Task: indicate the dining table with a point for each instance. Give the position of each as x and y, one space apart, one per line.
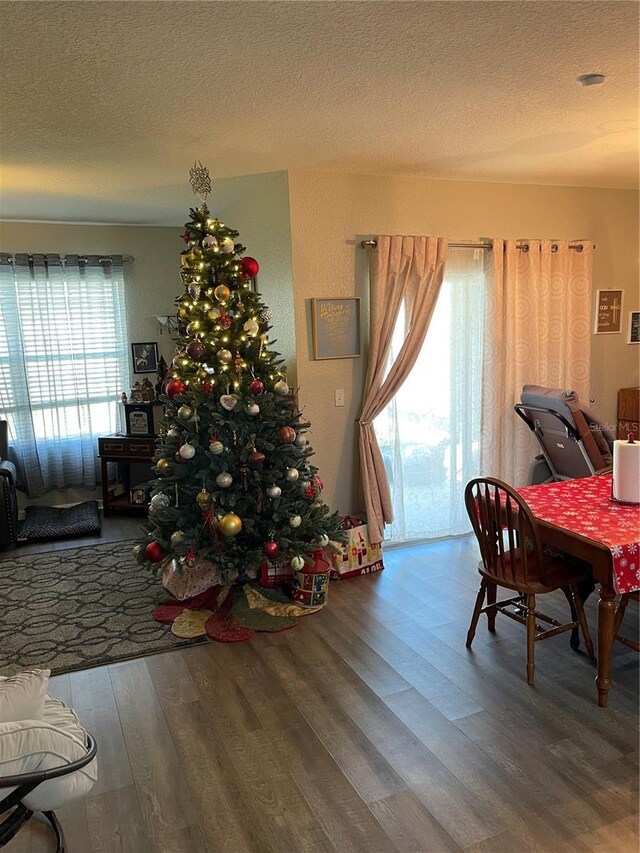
581 518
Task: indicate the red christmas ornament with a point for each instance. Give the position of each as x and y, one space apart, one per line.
249 267
154 553
287 434
196 350
270 549
314 488
255 459
206 387
225 321
175 386
256 387
186 236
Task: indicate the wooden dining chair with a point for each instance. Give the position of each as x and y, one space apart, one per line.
620 611
512 557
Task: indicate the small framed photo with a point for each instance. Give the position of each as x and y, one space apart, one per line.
145 357
634 328
336 328
608 312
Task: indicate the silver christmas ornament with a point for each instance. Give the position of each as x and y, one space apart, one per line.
209 243
300 440
323 540
177 539
297 562
274 491
295 521
224 480
251 327
159 501
173 432
194 291
226 245
252 409
292 474
185 413
281 388
187 451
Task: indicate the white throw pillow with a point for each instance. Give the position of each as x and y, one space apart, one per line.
22 696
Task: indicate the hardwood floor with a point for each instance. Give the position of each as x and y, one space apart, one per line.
369 727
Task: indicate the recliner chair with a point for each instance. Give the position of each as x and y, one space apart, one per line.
574 441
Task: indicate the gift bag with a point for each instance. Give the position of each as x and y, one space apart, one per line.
357 555
186 581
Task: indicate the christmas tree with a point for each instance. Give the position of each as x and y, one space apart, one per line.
234 482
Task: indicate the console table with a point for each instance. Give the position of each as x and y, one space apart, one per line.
124 450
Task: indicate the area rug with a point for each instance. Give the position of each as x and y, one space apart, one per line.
78 608
44 523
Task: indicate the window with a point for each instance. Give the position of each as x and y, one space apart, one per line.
63 363
429 433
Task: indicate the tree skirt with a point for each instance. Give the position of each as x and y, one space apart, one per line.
77 608
43 523
231 614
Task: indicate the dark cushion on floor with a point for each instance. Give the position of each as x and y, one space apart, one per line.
49 522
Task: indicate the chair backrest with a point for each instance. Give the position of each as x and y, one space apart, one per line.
574 441
506 531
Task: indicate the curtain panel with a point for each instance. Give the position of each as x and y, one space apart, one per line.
63 362
537 331
405 270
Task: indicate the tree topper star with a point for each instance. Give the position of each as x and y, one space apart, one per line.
200 180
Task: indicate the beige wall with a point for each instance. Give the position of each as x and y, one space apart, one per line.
331 213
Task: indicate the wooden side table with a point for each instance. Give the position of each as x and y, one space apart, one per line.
125 450
629 412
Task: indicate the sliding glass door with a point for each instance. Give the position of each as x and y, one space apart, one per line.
429 433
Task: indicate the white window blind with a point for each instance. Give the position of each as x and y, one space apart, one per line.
63 363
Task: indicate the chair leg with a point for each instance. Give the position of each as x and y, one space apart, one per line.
531 636
574 641
491 599
582 619
476 612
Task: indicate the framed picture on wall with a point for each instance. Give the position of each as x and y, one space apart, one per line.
145 357
633 336
336 327
608 312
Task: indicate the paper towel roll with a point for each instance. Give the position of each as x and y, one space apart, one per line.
626 471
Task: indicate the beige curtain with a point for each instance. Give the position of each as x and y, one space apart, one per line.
409 270
537 331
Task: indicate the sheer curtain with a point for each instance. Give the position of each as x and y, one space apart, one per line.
429 433
63 362
538 332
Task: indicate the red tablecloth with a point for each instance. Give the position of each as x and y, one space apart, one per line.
585 507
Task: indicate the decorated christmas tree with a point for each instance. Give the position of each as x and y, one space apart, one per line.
234 485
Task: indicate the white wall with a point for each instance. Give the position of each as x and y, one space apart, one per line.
331 212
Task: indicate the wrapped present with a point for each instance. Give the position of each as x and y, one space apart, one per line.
276 572
355 556
186 581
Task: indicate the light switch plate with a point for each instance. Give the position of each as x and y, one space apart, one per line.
338 397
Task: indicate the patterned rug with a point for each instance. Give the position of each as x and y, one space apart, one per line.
74 609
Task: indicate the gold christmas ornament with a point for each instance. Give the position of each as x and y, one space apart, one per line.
185 413
281 388
222 293
181 360
224 356
204 499
193 327
230 524
162 464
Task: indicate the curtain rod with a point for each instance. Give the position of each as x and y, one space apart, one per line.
126 259
488 247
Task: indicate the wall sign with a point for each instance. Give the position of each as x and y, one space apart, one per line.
336 327
145 357
608 312
634 328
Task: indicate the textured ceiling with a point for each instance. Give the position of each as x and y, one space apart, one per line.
105 105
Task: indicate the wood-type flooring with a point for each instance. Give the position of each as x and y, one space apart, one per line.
368 728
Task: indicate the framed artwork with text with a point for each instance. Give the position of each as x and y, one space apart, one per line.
336 327
608 312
